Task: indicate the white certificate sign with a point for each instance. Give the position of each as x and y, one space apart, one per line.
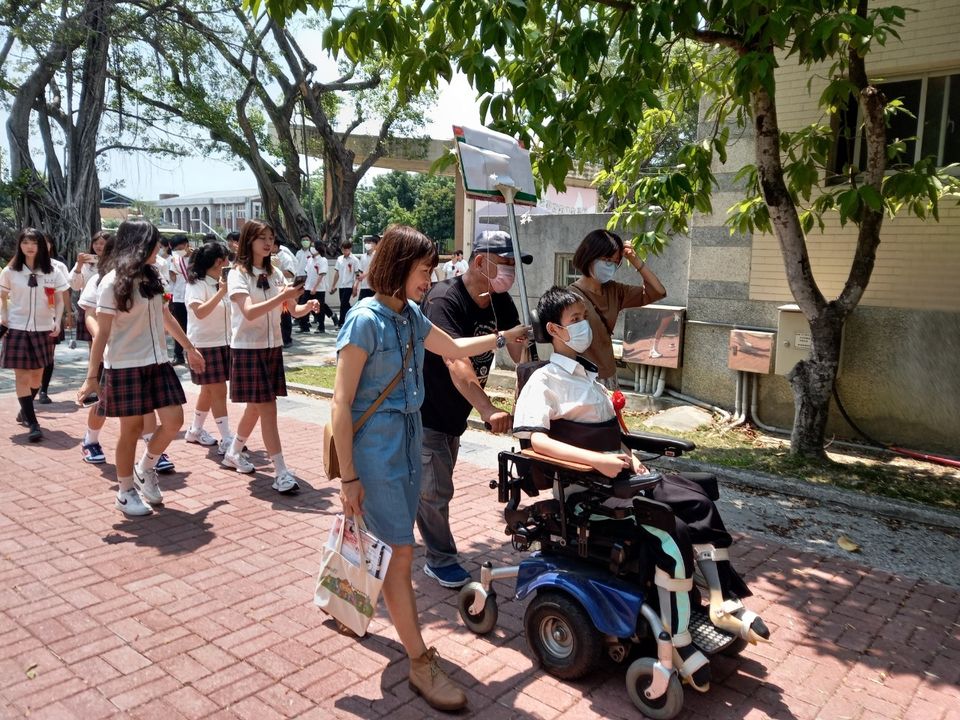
489 158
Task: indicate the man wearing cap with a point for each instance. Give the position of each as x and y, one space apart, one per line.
475 303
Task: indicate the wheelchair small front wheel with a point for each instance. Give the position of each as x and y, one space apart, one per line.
561 635
639 677
487 619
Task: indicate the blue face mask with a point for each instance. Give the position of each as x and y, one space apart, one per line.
603 271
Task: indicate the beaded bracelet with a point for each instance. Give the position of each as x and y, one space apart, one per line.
347 482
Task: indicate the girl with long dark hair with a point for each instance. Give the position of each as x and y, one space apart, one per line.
67 321
258 293
138 378
208 327
85 268
31 307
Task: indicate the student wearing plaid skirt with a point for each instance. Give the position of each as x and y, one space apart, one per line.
138 378
258 293
208 327
66 322
31 307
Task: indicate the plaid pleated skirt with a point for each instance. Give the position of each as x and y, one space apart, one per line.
83 335
217 366
140 390
26 350
256 376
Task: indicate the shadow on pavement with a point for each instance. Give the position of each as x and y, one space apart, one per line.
168 530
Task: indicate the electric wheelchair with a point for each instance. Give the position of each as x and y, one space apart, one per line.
592 574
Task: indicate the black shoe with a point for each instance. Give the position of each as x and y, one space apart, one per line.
43 398
336 320
20 417
179 361
35 434
320 331
303 330
288 343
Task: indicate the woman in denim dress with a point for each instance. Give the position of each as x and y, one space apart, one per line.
381 465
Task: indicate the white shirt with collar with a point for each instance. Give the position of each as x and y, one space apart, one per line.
137 338
29 308
88 297
316 272
179 263
264 331
347 267
365 261
215 329
285 260
560 390
162 265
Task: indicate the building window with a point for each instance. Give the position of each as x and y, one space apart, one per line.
564 272
930 127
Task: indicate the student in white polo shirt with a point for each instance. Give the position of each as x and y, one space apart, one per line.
257 292
31 309
133 321
209 328
345 277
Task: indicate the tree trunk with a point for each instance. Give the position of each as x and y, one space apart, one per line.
339 209
812 383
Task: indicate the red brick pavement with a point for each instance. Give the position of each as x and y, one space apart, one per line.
203 610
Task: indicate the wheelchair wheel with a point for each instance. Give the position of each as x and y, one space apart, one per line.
639 676
561 635
487 619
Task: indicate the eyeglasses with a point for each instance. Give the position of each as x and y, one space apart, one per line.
32 281
263 282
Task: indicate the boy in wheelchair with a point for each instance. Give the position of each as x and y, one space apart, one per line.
567 415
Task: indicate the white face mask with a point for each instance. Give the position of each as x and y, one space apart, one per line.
603 271
504 278
580 336
368 247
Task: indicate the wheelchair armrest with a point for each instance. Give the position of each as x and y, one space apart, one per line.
628 487
657 444
576 467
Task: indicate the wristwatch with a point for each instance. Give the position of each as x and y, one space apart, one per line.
501 340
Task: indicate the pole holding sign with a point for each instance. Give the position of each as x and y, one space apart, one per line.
496 167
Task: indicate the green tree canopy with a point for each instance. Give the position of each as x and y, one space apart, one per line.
424 201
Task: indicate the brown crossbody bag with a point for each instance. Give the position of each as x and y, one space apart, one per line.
331 464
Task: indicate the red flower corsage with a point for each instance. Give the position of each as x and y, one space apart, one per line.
167 297
51 296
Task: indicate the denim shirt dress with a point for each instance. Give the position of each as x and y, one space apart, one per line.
386 450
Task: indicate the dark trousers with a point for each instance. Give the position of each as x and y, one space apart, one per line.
325 311
345 294
286 328
693 509
179 311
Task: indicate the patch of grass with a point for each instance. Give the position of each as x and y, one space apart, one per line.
503 403
318 375
875 473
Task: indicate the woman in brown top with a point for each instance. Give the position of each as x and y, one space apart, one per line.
597 259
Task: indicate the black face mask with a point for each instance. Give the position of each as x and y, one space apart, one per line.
263 282
32 280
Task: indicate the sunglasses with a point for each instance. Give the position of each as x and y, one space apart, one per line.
32 281
263 282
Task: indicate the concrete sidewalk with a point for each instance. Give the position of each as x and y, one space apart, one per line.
204 610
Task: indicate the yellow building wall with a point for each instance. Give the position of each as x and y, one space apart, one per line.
918 263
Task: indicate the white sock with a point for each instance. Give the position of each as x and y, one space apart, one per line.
236 447
148 461
223 425
198 418
91 436
121 481
278 463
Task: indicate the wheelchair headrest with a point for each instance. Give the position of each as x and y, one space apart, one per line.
540 334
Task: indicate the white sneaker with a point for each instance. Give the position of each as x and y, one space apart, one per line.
286 482
200 437
129 503
146 482
224 445
238 463
655 354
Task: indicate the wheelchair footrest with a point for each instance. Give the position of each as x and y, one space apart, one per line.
707 636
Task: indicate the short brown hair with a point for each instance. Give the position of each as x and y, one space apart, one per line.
597 244
400 249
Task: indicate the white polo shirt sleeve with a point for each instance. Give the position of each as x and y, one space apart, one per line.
88 297
536 406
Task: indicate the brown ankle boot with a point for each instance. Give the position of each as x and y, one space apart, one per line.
428 679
